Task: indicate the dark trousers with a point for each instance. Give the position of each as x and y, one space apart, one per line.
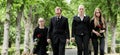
40 50
82 42
90 46
58 48
96 44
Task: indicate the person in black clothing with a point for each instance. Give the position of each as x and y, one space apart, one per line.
81 31
58 32
40 38
98 29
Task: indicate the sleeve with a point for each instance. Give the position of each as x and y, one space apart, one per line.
73 28
50 29
89 24
92 24
46 32
34 35
67 29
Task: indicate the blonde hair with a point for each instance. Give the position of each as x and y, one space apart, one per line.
80 7
96 20
41 19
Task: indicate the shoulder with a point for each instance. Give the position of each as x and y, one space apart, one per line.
88 17
36 28
92 21
46 28
65 18
75 17
53 17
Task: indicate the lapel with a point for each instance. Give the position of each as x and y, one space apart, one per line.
79 19
84 18
58 22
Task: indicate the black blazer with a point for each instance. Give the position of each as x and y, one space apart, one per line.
81 27
59 28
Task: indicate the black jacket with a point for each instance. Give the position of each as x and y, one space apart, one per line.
81 27
97 28
59 28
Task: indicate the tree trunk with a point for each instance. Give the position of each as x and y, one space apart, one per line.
113 46
6 29
31 39
27 31
113 27
31 32
26 37
18 28
33 25
113 21
106 38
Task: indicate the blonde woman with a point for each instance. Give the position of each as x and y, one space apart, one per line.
40 38
81 31
98 29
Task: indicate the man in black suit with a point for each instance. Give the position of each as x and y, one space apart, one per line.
81 31
58 32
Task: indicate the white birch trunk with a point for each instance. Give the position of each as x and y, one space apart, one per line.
18 32
27 32
113 46
106 38
6 29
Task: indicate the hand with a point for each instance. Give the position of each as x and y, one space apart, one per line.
48 40
35 43
67 41
98 34
73 39
102 31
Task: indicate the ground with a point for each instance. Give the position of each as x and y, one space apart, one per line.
74 52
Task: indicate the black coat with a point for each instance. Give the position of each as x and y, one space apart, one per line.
59 29
81 27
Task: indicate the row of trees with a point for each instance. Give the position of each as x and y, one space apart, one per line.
20 18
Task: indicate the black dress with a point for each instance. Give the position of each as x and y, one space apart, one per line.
40 36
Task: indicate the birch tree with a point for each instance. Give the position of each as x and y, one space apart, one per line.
6 29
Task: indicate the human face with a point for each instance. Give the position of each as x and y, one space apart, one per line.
41 22
57 11
81 10
97 13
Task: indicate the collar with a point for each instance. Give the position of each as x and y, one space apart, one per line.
59 16
79 15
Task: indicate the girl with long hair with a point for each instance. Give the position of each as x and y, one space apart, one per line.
98 30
